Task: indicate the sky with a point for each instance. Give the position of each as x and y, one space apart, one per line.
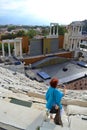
42 12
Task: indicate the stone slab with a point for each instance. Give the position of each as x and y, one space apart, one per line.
52 126
78 102
61 128
49 125
43 128
19 117
77 123
73 110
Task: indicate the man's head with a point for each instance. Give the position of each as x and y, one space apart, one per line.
54 82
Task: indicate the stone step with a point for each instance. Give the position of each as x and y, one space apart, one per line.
17 117
77 123
52 126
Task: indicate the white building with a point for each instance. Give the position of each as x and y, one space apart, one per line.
74 37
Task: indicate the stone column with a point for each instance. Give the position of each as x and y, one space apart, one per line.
73 30
75 44
3 51
53 30
57 31
15 48
81 29
9 49
71 45
50 29
78 29
20 48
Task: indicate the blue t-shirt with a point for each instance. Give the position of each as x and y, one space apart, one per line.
53 97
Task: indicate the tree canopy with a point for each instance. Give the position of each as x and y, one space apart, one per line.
21 33
31 33
10 28
61 30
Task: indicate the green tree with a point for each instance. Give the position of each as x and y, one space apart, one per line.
6 47
10 28
8 36
20 33
61 30
31 33
45 32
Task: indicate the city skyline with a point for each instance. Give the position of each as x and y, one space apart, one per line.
41 12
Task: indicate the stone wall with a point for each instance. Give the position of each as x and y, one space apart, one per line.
80 84
30 60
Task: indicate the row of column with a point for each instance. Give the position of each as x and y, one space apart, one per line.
54 26
77 29
9 49
74 44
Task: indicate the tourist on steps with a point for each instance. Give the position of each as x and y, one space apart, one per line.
54 96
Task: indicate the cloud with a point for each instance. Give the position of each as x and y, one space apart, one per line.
63 11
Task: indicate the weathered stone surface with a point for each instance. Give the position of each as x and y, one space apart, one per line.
19 117
64 119
61 128
73 110
52 126
75 97
74 102
77 123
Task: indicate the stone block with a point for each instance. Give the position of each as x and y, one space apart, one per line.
64 119
73 109
77 123
17 117
52 126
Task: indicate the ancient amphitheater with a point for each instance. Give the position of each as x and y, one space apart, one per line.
22 104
